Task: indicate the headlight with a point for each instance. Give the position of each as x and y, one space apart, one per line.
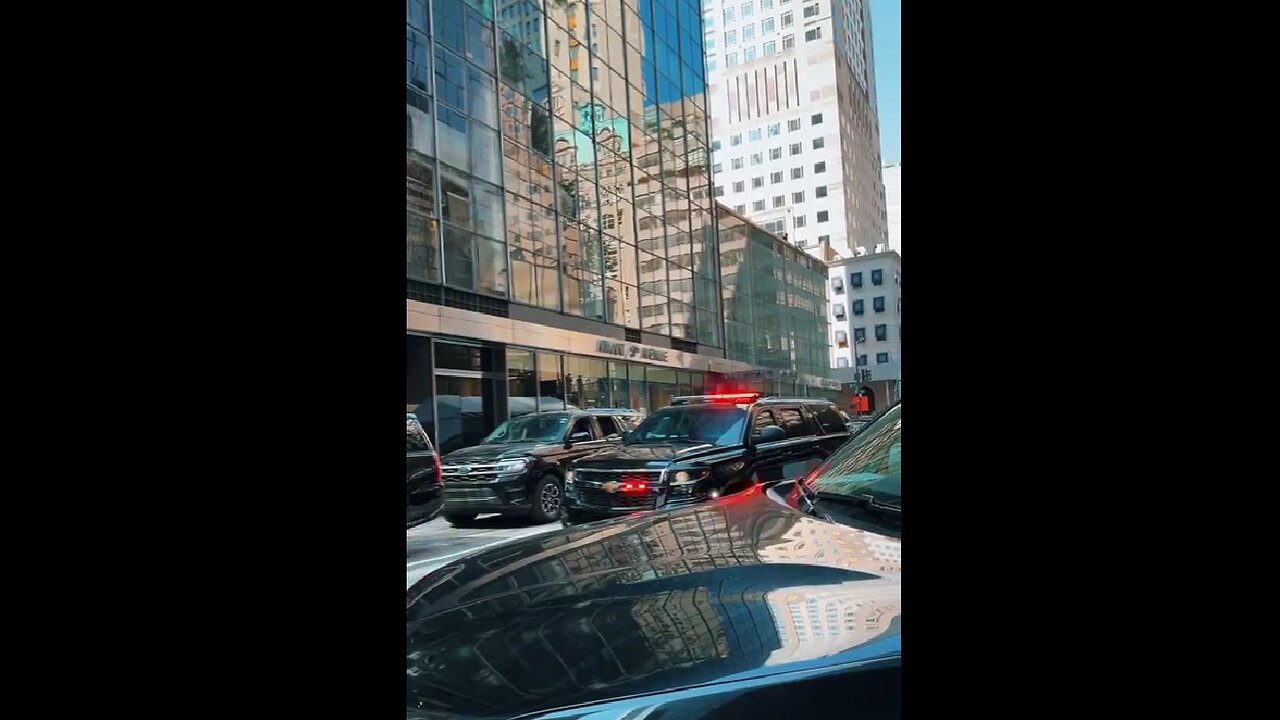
688 476
507 466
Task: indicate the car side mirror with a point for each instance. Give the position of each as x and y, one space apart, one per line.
770 434
577 437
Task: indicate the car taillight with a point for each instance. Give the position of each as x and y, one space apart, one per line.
439 474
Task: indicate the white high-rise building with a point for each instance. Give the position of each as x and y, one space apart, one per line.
893 204
794 127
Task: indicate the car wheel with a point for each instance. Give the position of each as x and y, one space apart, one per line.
548 499
460 520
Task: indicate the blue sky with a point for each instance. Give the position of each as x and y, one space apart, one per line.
886 37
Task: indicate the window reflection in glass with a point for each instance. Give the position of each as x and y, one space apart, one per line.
550 382
522 388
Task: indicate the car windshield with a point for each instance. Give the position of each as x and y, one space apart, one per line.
529 428
713 424
862 481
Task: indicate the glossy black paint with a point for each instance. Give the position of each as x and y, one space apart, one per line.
728 468
741 607
424 491
512 494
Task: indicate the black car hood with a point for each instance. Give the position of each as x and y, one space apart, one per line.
655 455
497 451
734 589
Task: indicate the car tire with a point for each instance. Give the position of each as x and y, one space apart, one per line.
547 499
460 520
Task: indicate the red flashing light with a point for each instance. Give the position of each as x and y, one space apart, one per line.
633 487
746 397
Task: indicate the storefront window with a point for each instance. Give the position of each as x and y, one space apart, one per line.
419 400
465 407
522 385
550 382
662 386
587 383
621 394
639 395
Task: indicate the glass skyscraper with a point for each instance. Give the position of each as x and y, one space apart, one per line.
558 209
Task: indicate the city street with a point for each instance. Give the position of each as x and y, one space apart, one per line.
435 543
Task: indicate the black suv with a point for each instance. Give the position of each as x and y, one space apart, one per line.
518 469
423 490
702 447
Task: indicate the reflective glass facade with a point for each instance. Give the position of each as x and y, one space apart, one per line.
556 156
775 297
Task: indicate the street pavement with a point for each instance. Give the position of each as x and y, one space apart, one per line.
435 543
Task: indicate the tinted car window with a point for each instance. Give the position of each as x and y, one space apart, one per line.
764 418
790 419
415 441
581 425
607 425
829 418
529 428
715 424
869 465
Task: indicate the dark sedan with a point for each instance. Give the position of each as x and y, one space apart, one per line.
782 600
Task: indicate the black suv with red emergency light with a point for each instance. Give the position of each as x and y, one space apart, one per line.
701 447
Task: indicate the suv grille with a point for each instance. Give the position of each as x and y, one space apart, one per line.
587 484
480 472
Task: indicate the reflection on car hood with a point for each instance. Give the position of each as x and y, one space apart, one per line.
659 454
728 590
496 451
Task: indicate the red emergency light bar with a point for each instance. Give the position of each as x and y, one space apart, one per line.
633 487
743 398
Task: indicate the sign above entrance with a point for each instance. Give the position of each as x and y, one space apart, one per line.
628 350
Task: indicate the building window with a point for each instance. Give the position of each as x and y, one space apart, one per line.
882 358
860 334
842 362
775 177
736 163
715 145
740 209
820 191
747 10
766 4
819 167
788 42
862 360
775 129
837 285
775 153
767 26
822 216
754 136
729 15
793 125
719 191
838 310
711 67
855 279
796 148
877 304
779 200
757 206
816 119
857 306
797 173
757 183
717 168
770 48
757 159
787 19
735 139
797 197
811 10
877 277
842 339
731 59
819 143
814 34
708 42
749 54
739 186
824 238
731 38
749 33
882 332
800 221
